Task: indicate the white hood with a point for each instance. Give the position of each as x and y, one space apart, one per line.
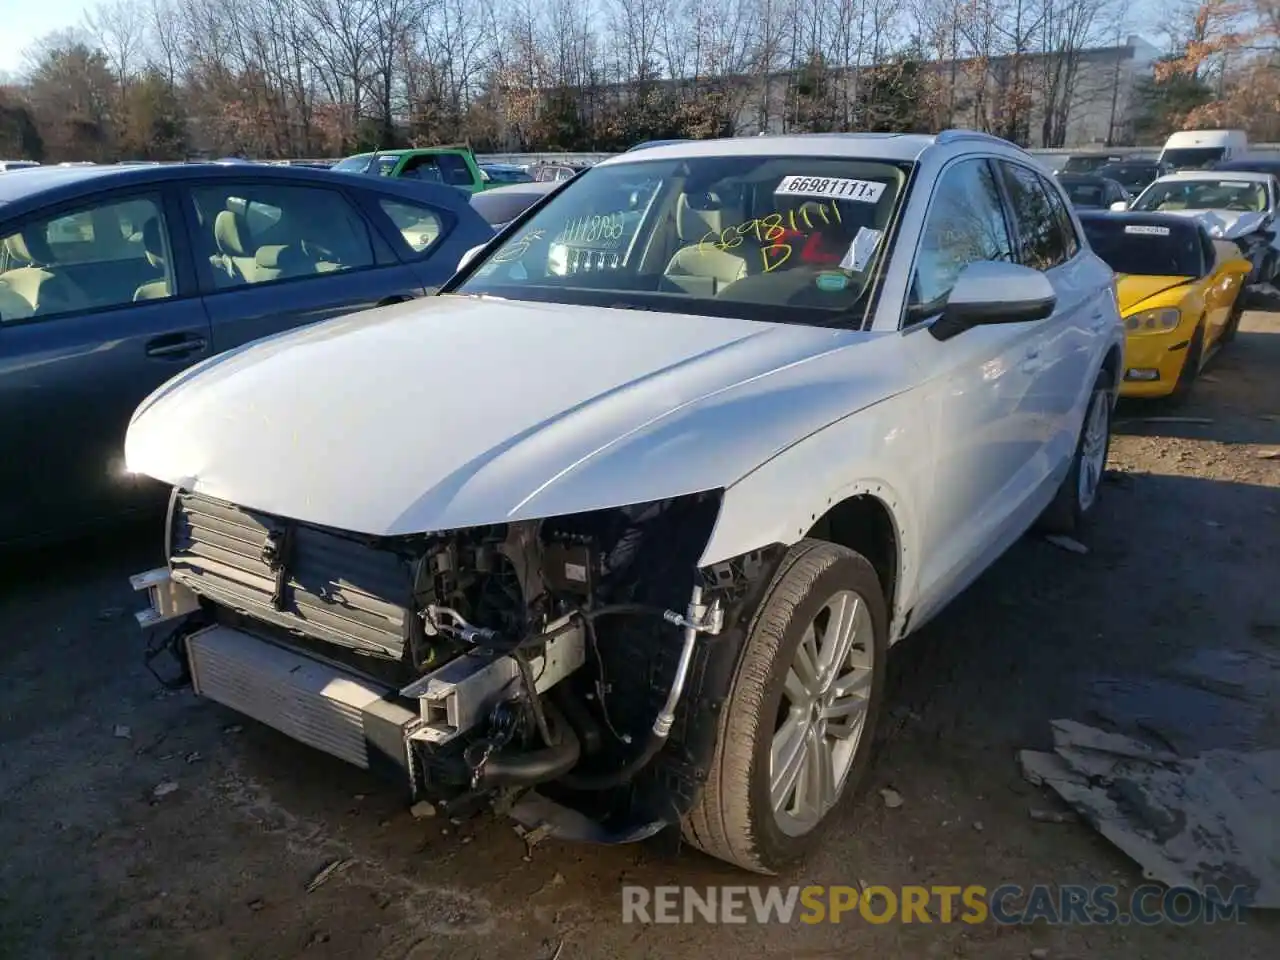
453 412
1224 224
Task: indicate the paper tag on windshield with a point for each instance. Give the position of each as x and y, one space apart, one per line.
861 250
1146 229
832 188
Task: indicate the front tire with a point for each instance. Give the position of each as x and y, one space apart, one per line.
796 730
1233 321
1190 367
1074 503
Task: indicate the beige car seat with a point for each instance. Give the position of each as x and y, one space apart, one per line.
153 247
234 262
699 268
37 281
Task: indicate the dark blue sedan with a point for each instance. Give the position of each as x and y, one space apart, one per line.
113 279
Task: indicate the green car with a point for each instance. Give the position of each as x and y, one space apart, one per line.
454 165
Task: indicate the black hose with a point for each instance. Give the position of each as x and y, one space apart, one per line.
529 767
613 778
620 609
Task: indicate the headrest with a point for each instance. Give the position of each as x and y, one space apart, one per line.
152 242
231 234
698 214
29 247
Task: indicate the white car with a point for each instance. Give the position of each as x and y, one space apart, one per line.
619 529
1234 205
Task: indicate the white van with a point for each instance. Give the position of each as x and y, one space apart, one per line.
1201 149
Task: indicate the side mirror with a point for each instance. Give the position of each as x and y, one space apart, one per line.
993 291
1120 206
470 255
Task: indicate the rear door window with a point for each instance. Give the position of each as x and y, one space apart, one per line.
1042 242
265 233
454 170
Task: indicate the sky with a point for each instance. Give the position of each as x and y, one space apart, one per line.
25 21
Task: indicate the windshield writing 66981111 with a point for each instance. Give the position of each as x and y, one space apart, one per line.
775 231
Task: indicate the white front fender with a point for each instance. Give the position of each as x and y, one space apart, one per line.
881 451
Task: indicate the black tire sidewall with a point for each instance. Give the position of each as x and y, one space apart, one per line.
1190 365
850 571
1064 514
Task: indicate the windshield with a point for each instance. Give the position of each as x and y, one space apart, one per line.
1203 195
1083 164
1193 158
1132 176
498 207
1085 193
725 236
506 175
353 164
1143 248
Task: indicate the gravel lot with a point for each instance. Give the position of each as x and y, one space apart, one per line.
1173 615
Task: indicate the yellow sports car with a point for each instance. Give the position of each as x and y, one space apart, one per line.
1179 292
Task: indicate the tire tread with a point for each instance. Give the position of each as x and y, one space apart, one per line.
720 824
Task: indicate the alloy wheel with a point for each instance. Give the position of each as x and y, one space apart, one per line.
822 713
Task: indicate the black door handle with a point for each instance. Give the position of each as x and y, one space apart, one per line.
175 345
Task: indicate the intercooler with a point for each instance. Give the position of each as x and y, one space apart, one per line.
309 700
306 579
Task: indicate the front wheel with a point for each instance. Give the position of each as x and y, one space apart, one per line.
795 732
1078 495
1233 320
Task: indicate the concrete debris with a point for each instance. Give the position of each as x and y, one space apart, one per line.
1067 543
1052 816
535 836
422 810
1200 821
122 732
892 798
977 825
164 788
328 873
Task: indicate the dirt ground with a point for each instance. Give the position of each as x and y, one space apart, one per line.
1170 623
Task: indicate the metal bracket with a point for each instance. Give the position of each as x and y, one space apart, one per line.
459 695
168 599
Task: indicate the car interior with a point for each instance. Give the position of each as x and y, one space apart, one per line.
278 234
104 256
772 231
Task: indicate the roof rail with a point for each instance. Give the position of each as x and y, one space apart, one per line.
951 136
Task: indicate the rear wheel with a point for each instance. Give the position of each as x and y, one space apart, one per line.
1082 486
796 731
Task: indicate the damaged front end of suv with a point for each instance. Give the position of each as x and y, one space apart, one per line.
567 671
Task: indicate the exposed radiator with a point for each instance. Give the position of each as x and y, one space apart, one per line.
310 701
334 588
